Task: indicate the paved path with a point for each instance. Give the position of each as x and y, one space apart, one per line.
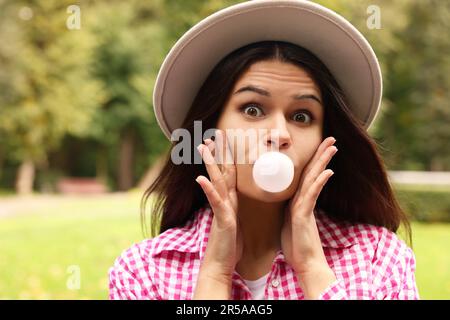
421 177
15 205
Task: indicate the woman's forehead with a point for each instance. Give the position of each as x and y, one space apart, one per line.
277 76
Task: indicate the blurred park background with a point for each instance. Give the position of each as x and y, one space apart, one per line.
79 141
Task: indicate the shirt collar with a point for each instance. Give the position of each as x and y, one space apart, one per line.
193 236
190 238
334 234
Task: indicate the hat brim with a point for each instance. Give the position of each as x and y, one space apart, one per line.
334 40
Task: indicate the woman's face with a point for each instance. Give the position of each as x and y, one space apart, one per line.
262 102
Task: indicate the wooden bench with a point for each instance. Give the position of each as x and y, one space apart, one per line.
81 185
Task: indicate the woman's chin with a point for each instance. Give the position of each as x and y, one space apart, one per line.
259 194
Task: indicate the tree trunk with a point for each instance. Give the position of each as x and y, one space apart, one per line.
436 164
101 167
152 173
25 177
1 163
126 160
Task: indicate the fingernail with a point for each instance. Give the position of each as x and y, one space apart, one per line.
199 148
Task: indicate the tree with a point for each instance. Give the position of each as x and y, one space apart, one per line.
51 94
126 60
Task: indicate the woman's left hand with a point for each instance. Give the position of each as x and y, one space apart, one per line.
300 238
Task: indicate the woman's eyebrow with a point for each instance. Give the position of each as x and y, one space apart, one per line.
267 93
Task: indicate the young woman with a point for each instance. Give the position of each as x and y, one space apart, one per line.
217 235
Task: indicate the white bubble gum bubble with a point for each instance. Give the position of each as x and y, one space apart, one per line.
273 171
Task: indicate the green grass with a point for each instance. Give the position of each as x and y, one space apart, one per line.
38 249
430 244
38 246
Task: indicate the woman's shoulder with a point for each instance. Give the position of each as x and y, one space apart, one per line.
378 239
392 262
386 248
134 259
381 256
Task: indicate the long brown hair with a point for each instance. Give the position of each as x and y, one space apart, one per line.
359 191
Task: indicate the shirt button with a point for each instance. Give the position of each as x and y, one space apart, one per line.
275 283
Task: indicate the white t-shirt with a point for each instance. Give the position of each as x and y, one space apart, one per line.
257 287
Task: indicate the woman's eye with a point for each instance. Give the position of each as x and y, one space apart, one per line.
304 117
253 110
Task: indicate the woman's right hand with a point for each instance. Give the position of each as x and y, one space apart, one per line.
225 246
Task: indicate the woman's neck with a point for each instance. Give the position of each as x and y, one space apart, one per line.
261 225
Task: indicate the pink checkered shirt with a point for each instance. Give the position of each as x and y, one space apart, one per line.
369 263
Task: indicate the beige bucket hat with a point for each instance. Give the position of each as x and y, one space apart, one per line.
334 40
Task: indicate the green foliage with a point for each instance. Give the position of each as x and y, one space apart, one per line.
51 93
425 203
126 60
412 127
95 84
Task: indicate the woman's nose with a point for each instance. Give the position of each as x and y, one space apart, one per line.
278 136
